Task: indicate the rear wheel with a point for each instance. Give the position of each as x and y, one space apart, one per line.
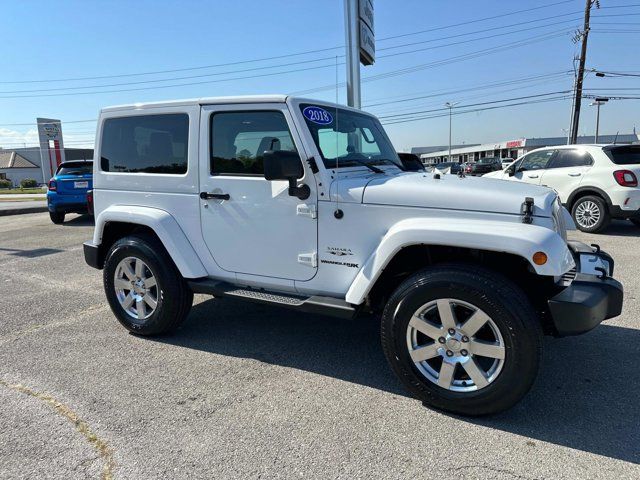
590 214
57 217
143 286
462 339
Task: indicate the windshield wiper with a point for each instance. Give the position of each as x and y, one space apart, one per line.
362 162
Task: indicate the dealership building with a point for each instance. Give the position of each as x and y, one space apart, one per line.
17 164
513 148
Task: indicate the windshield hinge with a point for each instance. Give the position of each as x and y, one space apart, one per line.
310 259
306 210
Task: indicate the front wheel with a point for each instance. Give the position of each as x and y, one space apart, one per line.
143 286
590 214
462 339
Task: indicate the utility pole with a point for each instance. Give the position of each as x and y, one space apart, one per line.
580 78
450 106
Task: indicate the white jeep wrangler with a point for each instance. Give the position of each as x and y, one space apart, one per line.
305 205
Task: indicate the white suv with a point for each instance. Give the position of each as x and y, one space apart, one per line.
305 205
595 182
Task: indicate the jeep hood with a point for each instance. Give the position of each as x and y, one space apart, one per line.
449 192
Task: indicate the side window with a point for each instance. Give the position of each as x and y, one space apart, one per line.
571 158
535 160
145 144
239 140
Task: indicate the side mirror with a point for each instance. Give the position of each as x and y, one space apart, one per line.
285 165
511 170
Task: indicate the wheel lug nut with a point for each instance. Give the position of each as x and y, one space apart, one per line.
465 339
441 340
452 331
449 353
464 353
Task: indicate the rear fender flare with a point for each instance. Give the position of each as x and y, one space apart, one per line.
165 227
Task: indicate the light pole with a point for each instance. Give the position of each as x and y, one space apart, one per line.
450 106
567 132
599 101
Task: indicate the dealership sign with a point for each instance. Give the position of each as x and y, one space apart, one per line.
366 32
51 145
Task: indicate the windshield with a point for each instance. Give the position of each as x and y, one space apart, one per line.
82 168
353 139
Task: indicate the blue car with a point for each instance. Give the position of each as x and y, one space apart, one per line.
68 189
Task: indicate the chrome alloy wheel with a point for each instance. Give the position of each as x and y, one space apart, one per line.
455 345
587 214
136 288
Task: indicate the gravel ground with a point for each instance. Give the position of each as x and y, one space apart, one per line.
249 391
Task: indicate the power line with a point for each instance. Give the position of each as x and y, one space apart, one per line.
544 100
475 21
447 61
277 57
526 97
144 82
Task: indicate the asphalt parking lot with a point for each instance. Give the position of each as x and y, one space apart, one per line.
249 391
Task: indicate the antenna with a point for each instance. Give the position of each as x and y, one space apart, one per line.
337 213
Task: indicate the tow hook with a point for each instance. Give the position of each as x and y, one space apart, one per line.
526 210
603 272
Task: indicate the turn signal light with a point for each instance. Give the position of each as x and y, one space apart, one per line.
52 185
539 258
626 178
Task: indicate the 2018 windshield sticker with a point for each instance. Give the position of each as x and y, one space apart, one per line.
317 115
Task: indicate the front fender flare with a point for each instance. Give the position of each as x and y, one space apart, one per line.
514 238
165 227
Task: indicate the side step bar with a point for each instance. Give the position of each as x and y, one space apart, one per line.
316 304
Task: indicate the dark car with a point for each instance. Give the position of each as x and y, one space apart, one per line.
484 165
68 189
411 162
449 167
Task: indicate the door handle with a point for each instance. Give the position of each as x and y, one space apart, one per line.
574 174
532 176
216 196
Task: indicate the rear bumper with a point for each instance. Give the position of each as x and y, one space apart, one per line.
592 296
92 255
617 212
61 203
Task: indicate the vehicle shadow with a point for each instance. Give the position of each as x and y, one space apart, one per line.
621 228
83 220
586 396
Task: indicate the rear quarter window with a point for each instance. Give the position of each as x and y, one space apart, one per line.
145 144
624 155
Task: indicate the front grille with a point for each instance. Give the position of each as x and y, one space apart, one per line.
567 277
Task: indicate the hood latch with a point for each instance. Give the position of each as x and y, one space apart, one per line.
526 210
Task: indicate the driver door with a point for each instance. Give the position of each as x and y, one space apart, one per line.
531 167
252 225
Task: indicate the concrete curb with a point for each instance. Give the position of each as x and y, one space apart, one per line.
21 211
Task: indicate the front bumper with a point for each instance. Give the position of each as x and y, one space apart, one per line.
592 296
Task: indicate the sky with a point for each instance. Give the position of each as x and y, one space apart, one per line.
428 53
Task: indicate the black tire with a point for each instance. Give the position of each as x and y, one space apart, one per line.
57 217
502 301
604 217
174 297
